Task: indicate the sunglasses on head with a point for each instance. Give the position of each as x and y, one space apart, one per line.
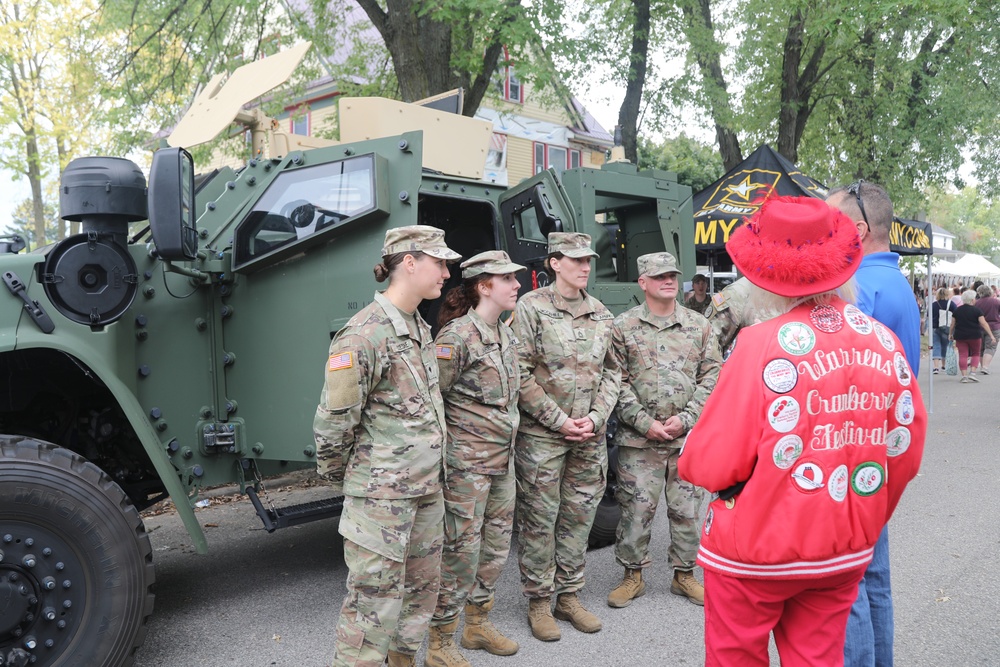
855 189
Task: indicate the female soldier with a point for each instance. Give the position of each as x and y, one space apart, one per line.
480 383
569 385
379 432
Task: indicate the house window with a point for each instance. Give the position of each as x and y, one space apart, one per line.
300 122
559 158
513 89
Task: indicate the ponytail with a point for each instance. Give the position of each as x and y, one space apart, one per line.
460 299
384 269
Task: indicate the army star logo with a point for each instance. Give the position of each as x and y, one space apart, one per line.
796 338
745 188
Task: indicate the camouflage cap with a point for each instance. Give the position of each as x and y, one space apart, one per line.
494 262
418 238
657 264
571 244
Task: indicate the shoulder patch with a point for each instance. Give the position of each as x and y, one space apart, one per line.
340 362
444 351
719 301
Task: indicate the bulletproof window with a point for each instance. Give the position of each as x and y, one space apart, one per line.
302 204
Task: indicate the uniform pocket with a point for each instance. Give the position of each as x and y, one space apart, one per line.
460 523
374 536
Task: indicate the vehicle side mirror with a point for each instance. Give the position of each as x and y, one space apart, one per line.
171 205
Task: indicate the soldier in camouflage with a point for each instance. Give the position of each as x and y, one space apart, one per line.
699 301
480 383
380 431
669 362
731 310
569 385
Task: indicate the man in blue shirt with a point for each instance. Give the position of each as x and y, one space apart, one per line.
883 293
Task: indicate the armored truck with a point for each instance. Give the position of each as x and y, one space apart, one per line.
141 365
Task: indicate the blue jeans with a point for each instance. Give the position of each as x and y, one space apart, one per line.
940 342
870 627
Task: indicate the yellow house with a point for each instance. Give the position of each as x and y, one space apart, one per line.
531 133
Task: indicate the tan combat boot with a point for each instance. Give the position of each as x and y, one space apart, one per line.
685 584
397 659
543 626
632 586
569 608
441 648
481 633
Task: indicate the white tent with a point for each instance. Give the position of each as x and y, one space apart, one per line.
974 265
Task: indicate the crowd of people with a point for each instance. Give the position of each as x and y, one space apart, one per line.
436 443
969 319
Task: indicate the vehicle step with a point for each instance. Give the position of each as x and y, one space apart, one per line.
293 515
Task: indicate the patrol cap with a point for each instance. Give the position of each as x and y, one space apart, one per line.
571 244
657 264
418 238
699 277
494 262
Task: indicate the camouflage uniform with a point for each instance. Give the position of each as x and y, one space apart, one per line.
480 384
691 303
731 310
669 367
567 371
380 429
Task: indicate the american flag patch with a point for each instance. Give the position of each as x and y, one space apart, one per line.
444 351
339 362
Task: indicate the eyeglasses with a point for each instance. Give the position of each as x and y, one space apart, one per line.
855 189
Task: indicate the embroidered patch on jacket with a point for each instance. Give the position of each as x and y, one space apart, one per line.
858 320
719 301
444 351
808 477
902 369
783 414
904 408
897 441
796 338
780 376
339 362
827 319
787 451
837 486
867 478
884 337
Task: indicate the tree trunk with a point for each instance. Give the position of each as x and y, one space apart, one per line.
35 181
628 115
701 37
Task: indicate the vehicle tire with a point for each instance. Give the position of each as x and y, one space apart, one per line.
602 533
77 566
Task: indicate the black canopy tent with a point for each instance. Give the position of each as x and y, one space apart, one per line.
729 202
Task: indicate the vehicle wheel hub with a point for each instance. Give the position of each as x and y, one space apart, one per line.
42 591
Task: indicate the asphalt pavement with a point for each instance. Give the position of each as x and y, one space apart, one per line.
260 599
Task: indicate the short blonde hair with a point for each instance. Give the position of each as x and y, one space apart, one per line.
763 300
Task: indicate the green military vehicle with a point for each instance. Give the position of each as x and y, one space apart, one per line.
190 354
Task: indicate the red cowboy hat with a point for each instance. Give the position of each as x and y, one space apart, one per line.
796 246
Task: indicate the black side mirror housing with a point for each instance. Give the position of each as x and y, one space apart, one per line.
171 205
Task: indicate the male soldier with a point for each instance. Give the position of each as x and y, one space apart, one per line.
669 361
884 294
698 301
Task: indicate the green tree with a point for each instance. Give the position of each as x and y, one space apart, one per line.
973 218
696 164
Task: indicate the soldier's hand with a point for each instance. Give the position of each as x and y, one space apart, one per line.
674 427
657 432
580 429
